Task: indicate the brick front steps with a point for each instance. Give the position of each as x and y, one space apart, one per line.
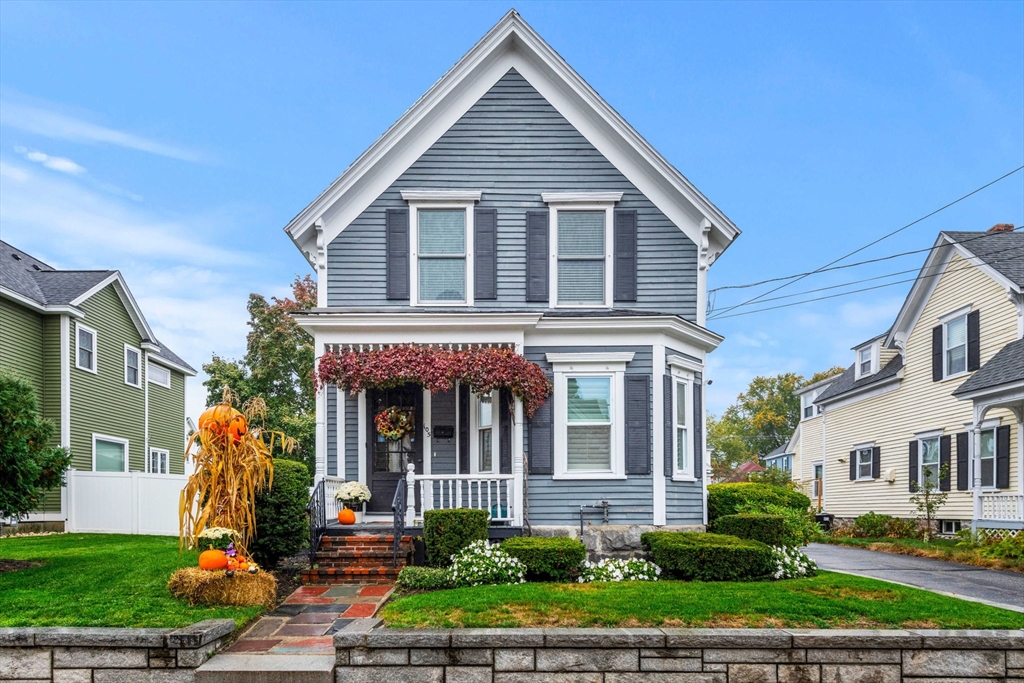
358 560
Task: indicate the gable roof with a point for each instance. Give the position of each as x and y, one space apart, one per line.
848 383
511 43
1002 251
1006 367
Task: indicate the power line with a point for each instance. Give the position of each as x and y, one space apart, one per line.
874 242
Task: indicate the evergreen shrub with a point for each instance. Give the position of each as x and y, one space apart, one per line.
727 499
548 559
282 525
708 557
769 529
446 532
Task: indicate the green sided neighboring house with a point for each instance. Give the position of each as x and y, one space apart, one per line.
115 394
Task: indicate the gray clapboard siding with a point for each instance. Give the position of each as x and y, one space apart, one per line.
352 437
442 412
513 145
332 431
684 502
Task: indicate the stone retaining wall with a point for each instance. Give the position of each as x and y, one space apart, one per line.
678 656
109 655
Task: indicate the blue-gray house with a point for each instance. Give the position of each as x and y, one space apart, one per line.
512 207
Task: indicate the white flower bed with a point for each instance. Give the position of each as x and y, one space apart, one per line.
633 569
790 563
481 563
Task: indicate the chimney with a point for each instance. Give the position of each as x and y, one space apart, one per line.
1001 227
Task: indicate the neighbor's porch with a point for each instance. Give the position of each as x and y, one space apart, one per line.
1002 509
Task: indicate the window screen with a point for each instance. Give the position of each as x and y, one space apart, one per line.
581 257
442 254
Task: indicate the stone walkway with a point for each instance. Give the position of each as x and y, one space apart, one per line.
306 622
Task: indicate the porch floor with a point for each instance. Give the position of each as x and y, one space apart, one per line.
384 529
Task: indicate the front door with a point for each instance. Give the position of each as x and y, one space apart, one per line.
388 455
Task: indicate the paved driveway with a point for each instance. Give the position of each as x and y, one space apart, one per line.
1005 589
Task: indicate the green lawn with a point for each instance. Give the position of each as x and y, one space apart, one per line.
99 580
826 601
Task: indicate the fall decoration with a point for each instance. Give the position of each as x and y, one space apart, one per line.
346 516
393 423
352 493
199 587
437 370
232 463
211 560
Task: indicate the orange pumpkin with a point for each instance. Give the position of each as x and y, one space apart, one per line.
212 560
223 419
346 516
237 427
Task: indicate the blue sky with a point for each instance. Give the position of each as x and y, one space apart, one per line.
174 141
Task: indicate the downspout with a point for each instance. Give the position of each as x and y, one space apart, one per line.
144 377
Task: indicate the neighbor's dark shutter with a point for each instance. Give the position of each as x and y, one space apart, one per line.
973 340
698 425
963 440
505 431
913 466
464 467
638 424
397 238
876 462
945 461
670 448
537 255
485 250
937 353
1003 457
625 256
540 458
853 465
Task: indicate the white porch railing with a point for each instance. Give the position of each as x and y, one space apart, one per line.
492 493
1001 507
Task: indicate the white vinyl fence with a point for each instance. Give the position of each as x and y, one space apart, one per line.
124 502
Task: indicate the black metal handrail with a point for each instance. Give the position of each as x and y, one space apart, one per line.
317 509
398 510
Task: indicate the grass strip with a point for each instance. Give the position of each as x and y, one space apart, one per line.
936 549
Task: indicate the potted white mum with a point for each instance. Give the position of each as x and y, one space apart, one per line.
352 495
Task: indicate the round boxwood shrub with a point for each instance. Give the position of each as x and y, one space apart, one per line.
548 559
708 557
727 499
770 529
446 532
282 526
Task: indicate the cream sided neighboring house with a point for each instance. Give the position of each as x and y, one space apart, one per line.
941 392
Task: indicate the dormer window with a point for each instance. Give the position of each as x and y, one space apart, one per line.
864 358
867 360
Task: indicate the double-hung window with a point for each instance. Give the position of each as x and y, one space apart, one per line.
928 470
589 423
109 454
581 258
683 461
865 360
441 254
987 458
132 366
158 461
158 375
864 462
954 351
807 404
485 424
85 352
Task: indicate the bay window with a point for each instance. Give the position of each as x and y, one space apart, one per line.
683 462
484 424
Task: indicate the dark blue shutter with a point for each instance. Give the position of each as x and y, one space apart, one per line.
1003 457
945 461
397 237
624 272
537 256
973 340
876 462
504 416
937 353
463 405
638 424
913 466
540 458
670 462
698 425
963 440
853 465
485 250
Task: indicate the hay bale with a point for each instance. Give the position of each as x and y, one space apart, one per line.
202 587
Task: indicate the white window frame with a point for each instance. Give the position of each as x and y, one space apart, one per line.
150 375
945 321
817 482
163 455
987 426
474 430
581 201
95 348
611 365
921 438
807 401
859 450
138 356
420 200
875 350
109 439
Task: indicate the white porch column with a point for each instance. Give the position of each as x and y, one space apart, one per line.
517 464
321 427
410 494
976 467
659 493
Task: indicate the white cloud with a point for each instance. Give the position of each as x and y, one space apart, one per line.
41 121
62 164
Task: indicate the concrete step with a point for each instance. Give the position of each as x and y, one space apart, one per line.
267 668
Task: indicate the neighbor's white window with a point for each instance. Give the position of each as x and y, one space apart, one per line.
866 360
987 458
581 257
684 464
955 345
85 352
864 463
485 423
158 461
442 255
817 482
807 404
109 454
928 469
132 366
158 375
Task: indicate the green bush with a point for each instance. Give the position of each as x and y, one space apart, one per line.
708 557
282 527
756 526
873 525
424 578
799 526
548 559
726 499
1009 548
446 532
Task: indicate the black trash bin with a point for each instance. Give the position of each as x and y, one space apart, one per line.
824 520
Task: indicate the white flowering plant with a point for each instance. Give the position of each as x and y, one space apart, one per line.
790 563
352 493
217 537
633 569
481 563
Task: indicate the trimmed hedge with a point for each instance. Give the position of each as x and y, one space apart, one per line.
446 532
726 499
769 529
282 526
708 557
548 559
424 578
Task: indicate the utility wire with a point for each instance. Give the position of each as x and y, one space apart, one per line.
872 243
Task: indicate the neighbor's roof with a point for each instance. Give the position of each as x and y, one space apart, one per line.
1006 367
1003 251
847 382
781 450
